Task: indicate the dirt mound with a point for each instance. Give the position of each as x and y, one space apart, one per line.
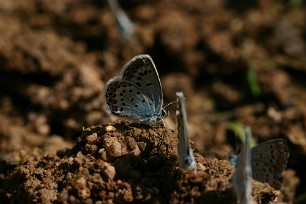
124 162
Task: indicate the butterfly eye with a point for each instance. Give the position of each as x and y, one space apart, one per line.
164 113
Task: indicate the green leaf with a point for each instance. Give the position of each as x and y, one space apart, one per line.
252 82
239 131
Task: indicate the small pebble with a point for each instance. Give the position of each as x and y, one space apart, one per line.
109 171
91 139
103 154
142 145
112 147
110 128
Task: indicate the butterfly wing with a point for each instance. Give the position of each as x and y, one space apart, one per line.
243 173
269 160
126 100
186 158
142 72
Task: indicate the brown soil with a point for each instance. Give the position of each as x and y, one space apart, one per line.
55 57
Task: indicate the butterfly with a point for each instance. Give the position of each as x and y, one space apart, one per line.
242 177
268 161
186 158
137 93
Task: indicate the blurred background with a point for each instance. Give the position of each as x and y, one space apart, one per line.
238 62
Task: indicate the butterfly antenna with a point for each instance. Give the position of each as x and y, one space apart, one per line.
170 103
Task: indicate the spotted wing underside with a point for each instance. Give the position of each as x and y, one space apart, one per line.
131 103
142 72
269 160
